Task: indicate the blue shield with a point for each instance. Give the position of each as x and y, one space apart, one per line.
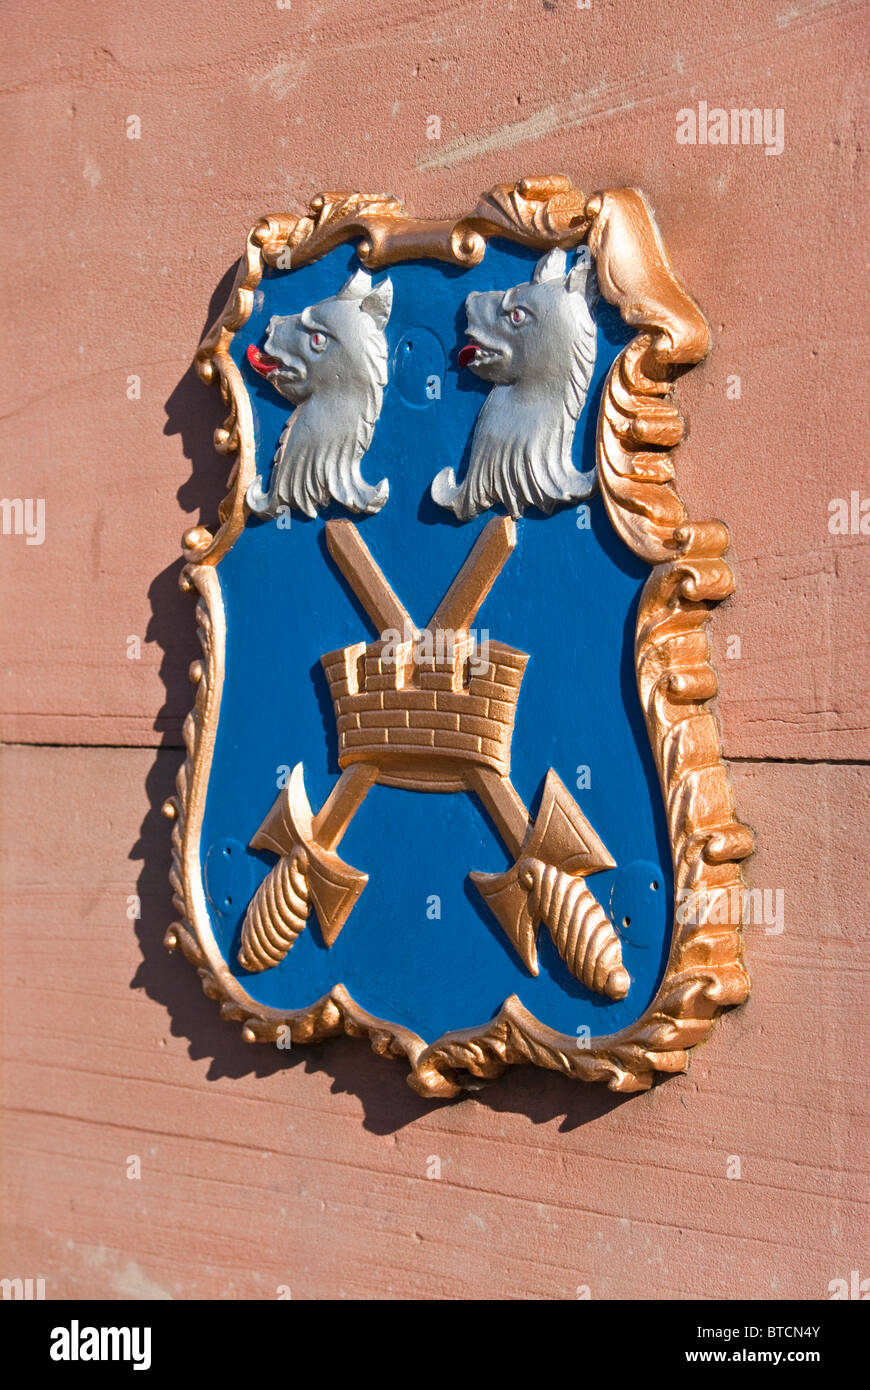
420 944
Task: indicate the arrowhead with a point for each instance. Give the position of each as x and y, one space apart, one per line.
562 836
509 904
333 885
289 821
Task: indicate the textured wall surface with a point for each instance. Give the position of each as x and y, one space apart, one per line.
310 1170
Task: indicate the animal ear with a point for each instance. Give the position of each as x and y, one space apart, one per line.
581 271
357 287
550 267
379 303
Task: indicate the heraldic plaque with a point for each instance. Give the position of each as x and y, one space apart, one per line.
453 782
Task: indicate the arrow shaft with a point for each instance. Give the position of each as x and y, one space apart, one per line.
459 605
504 804
342 804
458 608
366 578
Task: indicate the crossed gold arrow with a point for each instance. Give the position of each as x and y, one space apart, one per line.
552 854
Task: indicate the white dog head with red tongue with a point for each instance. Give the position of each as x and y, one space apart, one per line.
330 360
536 343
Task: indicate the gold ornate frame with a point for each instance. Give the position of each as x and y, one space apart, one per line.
638 427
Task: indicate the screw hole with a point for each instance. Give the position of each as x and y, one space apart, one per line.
626 921
654 885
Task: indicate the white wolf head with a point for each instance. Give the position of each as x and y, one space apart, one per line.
331 362
536 343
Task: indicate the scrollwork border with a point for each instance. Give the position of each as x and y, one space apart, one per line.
638 428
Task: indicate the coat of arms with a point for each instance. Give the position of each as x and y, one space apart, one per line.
453 781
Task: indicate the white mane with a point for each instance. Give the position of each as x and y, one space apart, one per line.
521 449
319 452
320 449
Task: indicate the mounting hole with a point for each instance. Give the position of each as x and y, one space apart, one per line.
626 921
655 885
420 368
228 875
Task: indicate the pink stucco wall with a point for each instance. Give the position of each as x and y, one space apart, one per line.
113 248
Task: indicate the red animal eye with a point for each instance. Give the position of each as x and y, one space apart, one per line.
517 315
318 341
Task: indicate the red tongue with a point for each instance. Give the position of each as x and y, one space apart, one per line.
261 361
467 354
